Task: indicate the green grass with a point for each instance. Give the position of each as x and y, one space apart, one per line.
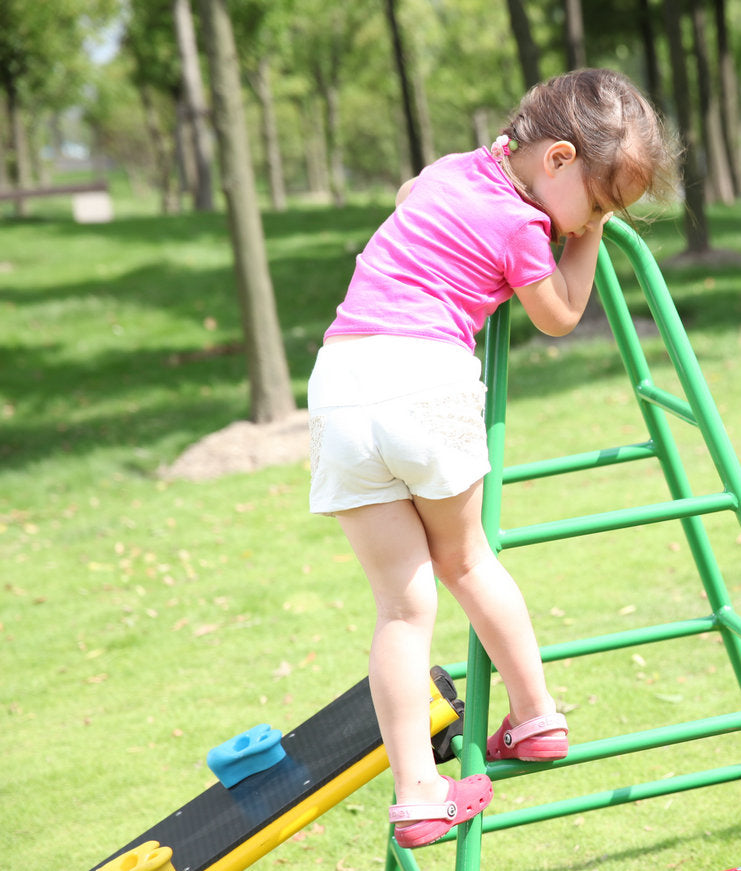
143 621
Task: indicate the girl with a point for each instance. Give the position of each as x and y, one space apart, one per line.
398 444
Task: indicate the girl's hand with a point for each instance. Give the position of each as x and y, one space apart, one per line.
556 303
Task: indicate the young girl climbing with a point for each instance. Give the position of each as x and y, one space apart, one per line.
398 444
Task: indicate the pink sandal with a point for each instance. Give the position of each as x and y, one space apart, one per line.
528 741
465 799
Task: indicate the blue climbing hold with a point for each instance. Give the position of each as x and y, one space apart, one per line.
254 750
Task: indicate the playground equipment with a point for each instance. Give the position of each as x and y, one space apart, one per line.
697 409
272 796
279 786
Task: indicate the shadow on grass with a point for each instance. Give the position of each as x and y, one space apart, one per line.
633 853
133 395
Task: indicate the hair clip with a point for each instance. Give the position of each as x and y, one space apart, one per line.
503 146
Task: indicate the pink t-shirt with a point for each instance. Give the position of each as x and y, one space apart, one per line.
448 255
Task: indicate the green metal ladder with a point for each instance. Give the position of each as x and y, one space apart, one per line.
698 409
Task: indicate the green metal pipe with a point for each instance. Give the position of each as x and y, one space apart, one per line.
617 640
678 407
729 618
612 798
698 396
620 745
680 352
578 462
619 519
608 798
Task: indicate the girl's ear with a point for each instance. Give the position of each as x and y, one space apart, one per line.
557 155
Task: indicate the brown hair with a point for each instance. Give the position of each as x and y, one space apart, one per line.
611 124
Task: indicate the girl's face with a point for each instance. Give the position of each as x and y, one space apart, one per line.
562 191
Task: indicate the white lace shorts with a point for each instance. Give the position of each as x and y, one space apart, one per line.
393 417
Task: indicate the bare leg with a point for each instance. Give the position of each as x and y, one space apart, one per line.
465 564
391 544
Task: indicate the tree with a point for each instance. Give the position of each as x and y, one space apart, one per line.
695 219
411 115
157 74
195 104
719 180
526 47
34 39
325 40
576 55
258 29
728 86
270 386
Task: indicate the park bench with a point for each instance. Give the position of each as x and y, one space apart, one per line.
91 201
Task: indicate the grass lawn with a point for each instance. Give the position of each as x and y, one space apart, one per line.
142 622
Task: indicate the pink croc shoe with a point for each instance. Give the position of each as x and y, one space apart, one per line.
465 799
528 741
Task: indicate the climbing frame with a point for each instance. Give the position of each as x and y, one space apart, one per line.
696 408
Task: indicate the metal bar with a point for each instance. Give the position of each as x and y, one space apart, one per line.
698 395
620 519
673 404
729 618
578 462
620 745
608 798
680 352
611 798
478 685
400 858
613 641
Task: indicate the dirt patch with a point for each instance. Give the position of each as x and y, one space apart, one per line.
243 447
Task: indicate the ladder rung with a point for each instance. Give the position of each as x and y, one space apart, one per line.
620 640
612 797
605 748
620 519
578 462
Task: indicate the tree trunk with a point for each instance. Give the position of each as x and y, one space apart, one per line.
408 102
695 218
315 146
334 145
481 129
195 103
576 53
728 96
271 140
527 50
719 176
423 112
270 385
21 159
184 156
169 198
653 76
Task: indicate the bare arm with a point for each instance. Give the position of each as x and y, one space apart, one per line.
555 304
403 191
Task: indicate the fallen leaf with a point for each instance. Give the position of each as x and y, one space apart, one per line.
283 670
